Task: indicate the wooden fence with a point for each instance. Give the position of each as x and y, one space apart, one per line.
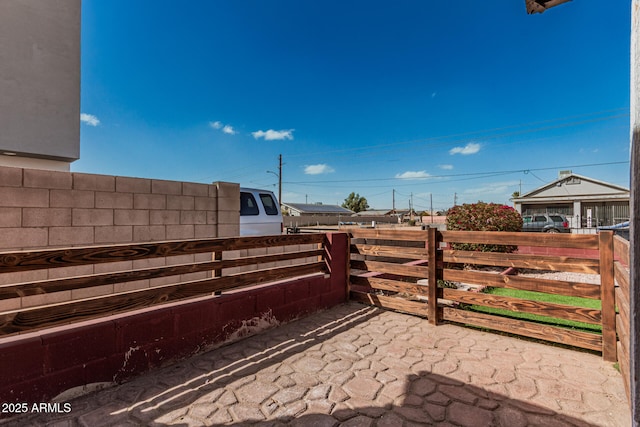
221 278
623 296
388 269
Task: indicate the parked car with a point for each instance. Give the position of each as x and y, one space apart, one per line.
546 223
621 229
260 213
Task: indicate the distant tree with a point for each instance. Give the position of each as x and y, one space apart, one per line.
355 203
515 195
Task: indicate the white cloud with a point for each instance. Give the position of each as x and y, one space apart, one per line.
229 130
318 169
89 119
413 175
272 135
446 167
470 148
216 124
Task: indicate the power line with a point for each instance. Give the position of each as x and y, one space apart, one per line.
463 136
238 172
431 178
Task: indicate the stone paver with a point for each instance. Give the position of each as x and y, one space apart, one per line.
360 366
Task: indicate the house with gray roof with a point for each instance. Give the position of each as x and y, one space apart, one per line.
586 202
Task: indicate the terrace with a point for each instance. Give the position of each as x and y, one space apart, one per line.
278 333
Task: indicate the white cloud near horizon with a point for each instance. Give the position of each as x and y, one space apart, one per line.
446 167
470 148
89 119
413 175
273 135
216 124
318 169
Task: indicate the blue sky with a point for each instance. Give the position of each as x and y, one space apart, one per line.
461 100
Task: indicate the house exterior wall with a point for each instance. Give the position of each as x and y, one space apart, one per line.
40 84
586 203
42 209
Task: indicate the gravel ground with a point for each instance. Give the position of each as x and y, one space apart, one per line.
563 276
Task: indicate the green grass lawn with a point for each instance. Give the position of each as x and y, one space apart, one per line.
537 296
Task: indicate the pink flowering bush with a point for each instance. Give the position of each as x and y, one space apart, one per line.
483 217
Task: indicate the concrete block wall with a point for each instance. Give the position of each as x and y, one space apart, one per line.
42 209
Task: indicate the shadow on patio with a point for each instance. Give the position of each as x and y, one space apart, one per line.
355 365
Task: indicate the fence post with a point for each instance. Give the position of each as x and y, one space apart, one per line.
217 256
434 237
337 260
607 296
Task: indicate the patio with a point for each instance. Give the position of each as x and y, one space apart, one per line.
355 365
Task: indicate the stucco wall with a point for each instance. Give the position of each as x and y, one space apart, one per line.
41 209
40 79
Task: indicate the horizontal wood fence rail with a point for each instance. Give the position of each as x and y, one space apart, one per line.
69 257
576 241
305 261
395 269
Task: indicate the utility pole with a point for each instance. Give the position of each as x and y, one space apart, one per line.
411 207
431 206
455 199
279 175
280 179
393 201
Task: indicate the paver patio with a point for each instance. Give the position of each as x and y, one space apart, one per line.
361 366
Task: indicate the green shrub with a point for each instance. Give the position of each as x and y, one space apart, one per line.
483 217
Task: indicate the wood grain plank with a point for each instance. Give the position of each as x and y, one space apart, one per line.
391 303
623 362
390 251
391 268
536 262
529 329
579 314
495 280
608 297
622 277
390 285
69 257
559 240
81 282
624 312
57 314
392 234
621 249
622 328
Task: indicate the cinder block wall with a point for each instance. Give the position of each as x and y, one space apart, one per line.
42 209
38 366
